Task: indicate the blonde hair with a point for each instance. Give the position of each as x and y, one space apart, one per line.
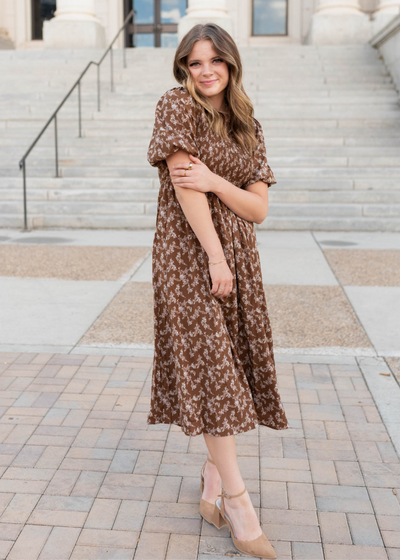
239 104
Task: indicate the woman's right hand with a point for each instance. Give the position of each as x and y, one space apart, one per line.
222 279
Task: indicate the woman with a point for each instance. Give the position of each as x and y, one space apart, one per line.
214 370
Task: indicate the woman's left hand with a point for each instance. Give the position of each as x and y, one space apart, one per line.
198 178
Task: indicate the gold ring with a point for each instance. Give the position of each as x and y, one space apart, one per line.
185 173
190 165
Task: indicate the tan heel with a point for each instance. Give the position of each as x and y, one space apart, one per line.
259 547
207 510
217 518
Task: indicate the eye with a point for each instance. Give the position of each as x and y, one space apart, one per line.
218 60
193 63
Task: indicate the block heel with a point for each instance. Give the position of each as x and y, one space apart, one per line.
217 518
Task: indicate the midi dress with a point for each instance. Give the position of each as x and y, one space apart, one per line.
213 369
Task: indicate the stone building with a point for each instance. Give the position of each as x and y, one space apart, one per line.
28 24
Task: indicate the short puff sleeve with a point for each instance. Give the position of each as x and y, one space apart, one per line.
262 170
174 126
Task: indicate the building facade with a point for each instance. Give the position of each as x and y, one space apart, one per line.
160 23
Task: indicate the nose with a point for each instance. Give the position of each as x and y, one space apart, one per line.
207 71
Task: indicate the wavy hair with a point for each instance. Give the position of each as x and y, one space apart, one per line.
238 102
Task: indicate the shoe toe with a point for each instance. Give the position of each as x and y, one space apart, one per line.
259 547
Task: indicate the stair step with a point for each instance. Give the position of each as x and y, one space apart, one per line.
149 222
277 195
49 207
279 172
119 163
128 207
108 152
330 224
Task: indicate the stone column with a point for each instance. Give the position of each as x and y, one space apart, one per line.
335 6
74 26
205 11
385 11
339 22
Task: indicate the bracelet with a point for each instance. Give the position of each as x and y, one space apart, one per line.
217 262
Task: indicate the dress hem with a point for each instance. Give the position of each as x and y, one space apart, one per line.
234 433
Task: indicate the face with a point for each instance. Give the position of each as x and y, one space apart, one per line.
210 73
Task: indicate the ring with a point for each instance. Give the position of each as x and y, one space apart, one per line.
184 173
190 165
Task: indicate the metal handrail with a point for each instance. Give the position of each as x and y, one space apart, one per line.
22 164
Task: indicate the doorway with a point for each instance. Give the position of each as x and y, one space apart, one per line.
156 22
41 10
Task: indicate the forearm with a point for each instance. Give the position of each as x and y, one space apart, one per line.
194 205
247 205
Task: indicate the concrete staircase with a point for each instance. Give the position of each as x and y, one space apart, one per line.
331 119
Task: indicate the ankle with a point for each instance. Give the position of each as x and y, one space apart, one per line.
239 502
211 468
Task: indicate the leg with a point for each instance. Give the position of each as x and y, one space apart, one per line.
212 482
240 510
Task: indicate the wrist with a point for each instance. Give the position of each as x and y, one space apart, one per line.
216 256
218 184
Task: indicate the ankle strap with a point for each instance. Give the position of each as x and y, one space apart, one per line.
225 495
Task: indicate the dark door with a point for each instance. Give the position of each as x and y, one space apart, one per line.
41 10
156 22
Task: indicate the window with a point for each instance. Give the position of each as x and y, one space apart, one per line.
270 17
156 22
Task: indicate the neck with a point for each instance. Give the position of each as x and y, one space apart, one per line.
218 102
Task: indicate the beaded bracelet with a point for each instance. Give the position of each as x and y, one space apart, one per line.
217 262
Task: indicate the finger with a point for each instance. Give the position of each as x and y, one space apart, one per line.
182 181
179 173
222 290
185 186
182 165
227 290
195 159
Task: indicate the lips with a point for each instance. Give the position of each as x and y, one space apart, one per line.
209 82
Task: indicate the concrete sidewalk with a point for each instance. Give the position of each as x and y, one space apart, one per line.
84 477
327 293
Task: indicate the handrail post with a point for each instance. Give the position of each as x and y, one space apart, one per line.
80 109
56 142
25 209
134 28
112 69
98 87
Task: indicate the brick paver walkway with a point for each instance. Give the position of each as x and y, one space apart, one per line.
84 477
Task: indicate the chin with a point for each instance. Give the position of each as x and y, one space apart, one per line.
210 92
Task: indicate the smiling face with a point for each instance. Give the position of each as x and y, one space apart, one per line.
210 73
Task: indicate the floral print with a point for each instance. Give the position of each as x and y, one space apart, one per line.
213 369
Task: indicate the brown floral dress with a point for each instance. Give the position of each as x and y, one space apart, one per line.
214 368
